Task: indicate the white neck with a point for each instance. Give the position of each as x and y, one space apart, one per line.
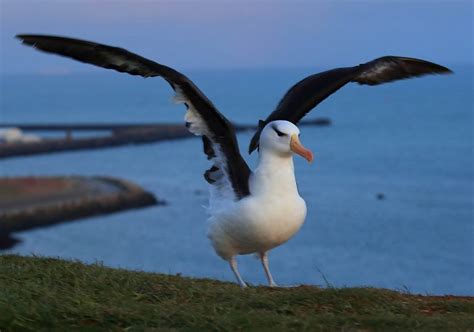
274 174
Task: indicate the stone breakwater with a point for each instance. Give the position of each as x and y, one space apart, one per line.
123 134
31 202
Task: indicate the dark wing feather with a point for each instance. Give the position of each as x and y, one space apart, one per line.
309 92
206 119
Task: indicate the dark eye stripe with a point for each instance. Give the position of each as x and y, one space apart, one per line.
279 133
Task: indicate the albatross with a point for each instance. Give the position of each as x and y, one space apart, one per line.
250 212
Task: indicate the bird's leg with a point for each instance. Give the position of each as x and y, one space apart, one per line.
233 266
264 259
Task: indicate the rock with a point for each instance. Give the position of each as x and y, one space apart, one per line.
7 241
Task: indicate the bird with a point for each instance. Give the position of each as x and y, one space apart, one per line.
249 212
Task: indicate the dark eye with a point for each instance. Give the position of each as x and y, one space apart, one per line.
279 133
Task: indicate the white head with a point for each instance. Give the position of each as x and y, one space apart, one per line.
281 137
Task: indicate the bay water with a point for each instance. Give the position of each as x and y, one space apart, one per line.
410 140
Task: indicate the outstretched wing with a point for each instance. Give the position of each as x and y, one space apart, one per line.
309 92
230 172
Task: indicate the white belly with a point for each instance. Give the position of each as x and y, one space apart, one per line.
256 224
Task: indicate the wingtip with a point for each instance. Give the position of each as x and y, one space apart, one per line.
24 38
436 68
31 39
20 37
447 71
441 69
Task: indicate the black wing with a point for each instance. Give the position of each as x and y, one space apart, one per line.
309 92
202 117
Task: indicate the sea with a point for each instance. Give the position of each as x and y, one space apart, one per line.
409 141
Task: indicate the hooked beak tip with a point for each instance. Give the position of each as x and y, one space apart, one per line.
298 148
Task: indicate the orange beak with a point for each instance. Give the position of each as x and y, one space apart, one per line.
297 147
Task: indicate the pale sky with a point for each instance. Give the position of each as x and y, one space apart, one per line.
233 34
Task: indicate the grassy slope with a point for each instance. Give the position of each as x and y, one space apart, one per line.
42 294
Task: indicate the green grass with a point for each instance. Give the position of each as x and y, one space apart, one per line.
50 294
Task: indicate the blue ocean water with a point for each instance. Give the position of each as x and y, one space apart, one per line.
411 140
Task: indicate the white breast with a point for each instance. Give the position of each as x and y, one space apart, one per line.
267 218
